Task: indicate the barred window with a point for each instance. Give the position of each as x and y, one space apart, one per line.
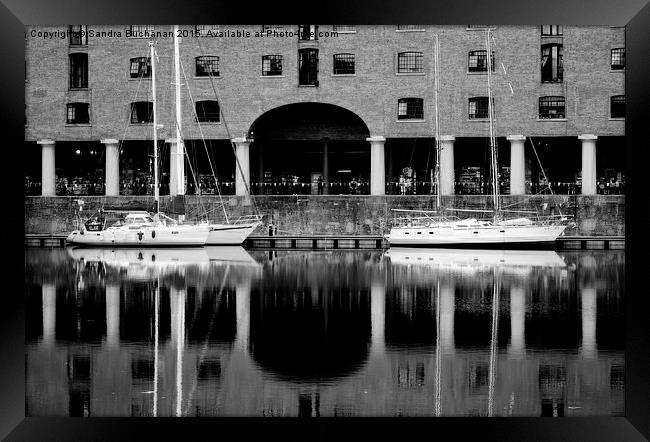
141 31
552 107
207 111
344 28
478 107
552 63
410 28
618 59
207 66
77 113
410 109
271 65
78 35
204 29
343 64
140 67
78 71
408 62
617 106
141 112
477 61
548 30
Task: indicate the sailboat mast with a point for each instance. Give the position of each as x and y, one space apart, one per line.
156 191
437 169
180 148
494 165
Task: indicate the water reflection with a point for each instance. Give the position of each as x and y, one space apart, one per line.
222 331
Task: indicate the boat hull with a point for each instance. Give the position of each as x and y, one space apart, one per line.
229 234
146 236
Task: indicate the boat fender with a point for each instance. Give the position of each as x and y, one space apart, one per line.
140 235
153 233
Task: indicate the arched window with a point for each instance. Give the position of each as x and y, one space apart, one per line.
207 66
409 62
552 107
207 111
410 109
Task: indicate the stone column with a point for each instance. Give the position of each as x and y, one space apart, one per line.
176 167
48 168
588 304
326 168
112 315
49 313
377 318
112 172
377 166
517 165
588 163
447 311
243 313
242 165
447 164
517 320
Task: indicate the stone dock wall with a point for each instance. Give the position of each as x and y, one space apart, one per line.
597 215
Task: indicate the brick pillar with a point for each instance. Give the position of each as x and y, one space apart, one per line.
112 172
176 167
517 165
242 165
48 168
447 164
588 163
377 166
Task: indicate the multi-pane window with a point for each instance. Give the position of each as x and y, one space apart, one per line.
308 32
343 64
478 107
552 107
207 66
344 28
78 71
204 29
140 67
207 111
141 31
552 64
78 35
410 109
618 59
477 61
308 67
549 30
410 28
141 112
617 106
271 65
77 113
409 62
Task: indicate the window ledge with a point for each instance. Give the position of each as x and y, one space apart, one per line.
272 76
616 118
345 32
410 30
141 124
206 77
71 46
406 74
480 72
617 70
552 119
139 78
209 123
344 75
413 120
78 125
479 120
307 85
491 28
78 89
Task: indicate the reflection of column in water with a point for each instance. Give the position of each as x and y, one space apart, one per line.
447 307
49 313
177 300
517 320
588 298
112 315
243 309
377 317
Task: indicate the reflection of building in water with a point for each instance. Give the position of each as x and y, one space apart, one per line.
320 350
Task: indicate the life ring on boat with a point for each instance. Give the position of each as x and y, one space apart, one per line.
140 235
153 233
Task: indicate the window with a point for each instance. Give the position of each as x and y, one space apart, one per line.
308 32
140 31
617 106
78 71
552 108
140 67
343 64
141 112
478 107
204 29
477 61
410 28
410 109
271 65
552 64
271 27
344 28
207 66
308 67
409 62
77 113
618 59
551 30
78 35
207 111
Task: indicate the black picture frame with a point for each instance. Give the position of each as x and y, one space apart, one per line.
634 14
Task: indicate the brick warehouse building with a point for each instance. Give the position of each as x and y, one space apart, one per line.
331 109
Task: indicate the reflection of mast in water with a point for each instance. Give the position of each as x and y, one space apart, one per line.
177 298
438 349
517 320
156 322
493 343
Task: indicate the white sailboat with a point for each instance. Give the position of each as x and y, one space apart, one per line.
431 228
139 228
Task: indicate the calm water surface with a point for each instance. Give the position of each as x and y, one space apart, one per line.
229 332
